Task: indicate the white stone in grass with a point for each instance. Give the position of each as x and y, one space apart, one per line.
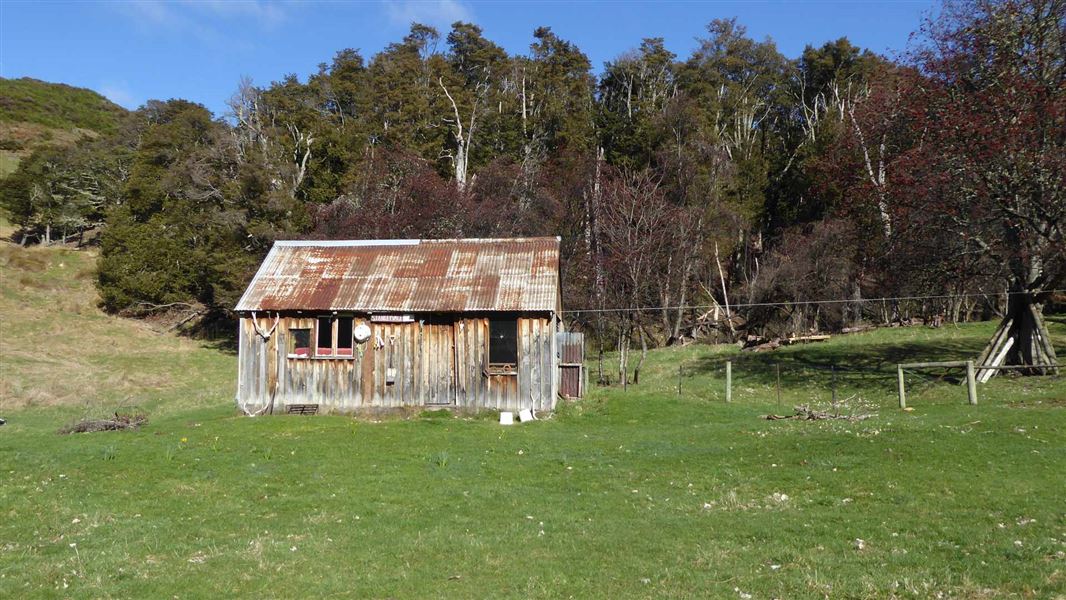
1018 543
860 544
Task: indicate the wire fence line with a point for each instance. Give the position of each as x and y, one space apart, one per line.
808 302
770 374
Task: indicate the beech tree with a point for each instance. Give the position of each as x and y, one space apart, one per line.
988 108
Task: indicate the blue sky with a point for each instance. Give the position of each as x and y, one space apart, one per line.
136 50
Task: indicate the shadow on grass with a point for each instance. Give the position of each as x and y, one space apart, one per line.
869 365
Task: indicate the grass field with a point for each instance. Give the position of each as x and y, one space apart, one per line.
642 493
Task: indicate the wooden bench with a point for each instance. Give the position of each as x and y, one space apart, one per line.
301 409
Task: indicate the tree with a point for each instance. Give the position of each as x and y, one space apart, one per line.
637 230
476 66
989 112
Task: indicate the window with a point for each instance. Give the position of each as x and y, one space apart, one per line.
325 337
344 336
503 345
300 342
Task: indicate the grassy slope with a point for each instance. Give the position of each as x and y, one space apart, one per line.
638 494
36 113
61 354
56 105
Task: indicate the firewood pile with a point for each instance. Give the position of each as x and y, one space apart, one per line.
119 422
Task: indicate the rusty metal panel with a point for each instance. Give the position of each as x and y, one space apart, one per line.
572 360
460 275
570 381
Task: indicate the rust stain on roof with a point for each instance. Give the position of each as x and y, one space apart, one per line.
462 275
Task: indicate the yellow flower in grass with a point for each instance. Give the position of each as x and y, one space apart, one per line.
183 440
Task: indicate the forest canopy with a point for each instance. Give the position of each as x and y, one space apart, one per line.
680 186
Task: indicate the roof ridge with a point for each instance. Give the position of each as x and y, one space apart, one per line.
406 242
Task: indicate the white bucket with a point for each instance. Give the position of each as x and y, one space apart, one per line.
506 418
525 415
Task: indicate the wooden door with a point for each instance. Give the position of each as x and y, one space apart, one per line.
439 363
571 364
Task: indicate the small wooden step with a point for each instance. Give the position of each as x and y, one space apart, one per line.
301 409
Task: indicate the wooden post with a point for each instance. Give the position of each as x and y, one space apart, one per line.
971 383
679 367
834 384
902 391
728 381
778 368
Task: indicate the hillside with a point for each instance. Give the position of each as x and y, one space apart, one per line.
686 495
35 113
58 350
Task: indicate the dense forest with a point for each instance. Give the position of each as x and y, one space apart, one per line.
707 196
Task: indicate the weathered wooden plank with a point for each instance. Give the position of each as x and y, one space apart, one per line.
524 389
927 365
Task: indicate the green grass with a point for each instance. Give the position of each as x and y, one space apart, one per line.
624 494
56 105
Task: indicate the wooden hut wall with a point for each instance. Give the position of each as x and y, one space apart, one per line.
429 369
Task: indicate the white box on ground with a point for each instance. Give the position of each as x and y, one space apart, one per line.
506 418
525 415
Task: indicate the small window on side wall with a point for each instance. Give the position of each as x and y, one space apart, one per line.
325 337
300 342
503 345
344 336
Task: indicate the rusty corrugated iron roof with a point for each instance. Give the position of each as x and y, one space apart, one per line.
459 275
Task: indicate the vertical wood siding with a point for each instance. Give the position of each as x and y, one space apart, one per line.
439 361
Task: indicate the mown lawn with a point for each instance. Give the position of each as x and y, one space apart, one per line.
641 493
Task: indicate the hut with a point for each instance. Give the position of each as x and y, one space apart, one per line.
347 326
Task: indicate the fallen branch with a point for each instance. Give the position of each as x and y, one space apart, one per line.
120 422
805 413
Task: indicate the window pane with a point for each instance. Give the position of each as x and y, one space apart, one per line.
344 336
325 336
503 341
301 342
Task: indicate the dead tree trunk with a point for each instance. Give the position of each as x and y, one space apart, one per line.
643 353
1021 339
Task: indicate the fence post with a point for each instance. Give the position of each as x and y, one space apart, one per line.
778 366
971 383
834 384
902 391
679 367
728 381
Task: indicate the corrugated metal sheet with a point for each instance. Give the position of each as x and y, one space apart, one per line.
519 274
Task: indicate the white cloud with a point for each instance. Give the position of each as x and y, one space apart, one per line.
265 14
438 13
200 18
120 94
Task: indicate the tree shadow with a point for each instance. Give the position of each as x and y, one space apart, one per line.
868 365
